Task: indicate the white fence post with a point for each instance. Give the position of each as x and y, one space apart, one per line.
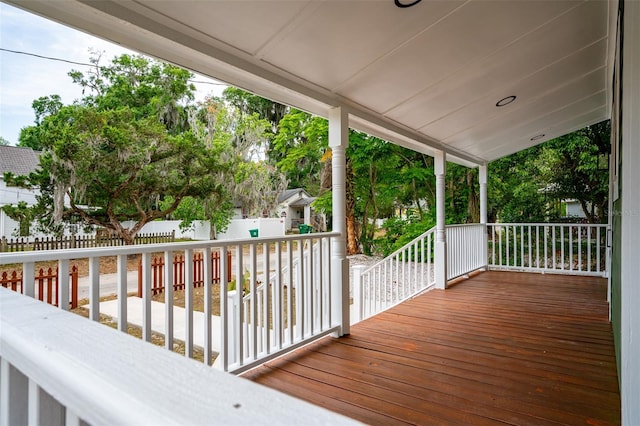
357 292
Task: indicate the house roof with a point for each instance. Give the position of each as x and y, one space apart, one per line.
288 193
302 202
17 160
436 76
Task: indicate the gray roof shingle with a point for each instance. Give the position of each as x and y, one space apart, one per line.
18 160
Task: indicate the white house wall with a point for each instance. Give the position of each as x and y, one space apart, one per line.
267 227
13 195
630 214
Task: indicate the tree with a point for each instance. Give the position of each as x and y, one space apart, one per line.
255 184
43 107
300 143
111 167
577 168
4 142
374 164
515 191
114 154
22 214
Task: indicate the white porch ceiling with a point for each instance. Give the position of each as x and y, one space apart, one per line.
426 77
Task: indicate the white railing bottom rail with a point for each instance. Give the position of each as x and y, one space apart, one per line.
577 249
58 368
400 276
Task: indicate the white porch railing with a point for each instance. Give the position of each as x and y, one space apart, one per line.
57 368
404 273
293 307
466 249
578 249
298 313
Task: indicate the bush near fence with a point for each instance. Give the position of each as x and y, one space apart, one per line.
101 239
46 284
157 272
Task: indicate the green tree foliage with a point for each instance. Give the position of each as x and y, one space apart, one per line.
530 185
254 183
374 166
111 156
42 108
515 191
21 213
249 104
298 147
576 167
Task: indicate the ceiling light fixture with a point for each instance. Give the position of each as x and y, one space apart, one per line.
505 101
538 137
407 4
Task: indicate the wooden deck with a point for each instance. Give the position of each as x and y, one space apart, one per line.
498 348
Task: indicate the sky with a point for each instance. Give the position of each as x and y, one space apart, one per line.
24 78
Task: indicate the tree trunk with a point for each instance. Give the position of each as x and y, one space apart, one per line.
353 244
473 208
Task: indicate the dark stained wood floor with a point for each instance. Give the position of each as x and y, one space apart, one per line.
498 348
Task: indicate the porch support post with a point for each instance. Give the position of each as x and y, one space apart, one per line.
482 177
440 168
338 141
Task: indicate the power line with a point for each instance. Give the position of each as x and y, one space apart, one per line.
50 58
47 57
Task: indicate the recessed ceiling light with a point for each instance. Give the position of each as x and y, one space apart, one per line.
538 137
505 101
405 3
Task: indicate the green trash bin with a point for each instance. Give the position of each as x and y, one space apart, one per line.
305 229
254 233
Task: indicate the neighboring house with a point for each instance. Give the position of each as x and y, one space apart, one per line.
19 161
295 206
239 212
573 209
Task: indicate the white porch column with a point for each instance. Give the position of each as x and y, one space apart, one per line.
440 169
482 177
338 141
307 214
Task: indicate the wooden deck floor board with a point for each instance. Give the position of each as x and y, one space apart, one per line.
512 347
499 348
493 375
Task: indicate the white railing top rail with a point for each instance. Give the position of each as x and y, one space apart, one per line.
400 250
37 256
461 225
547 224
128 383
